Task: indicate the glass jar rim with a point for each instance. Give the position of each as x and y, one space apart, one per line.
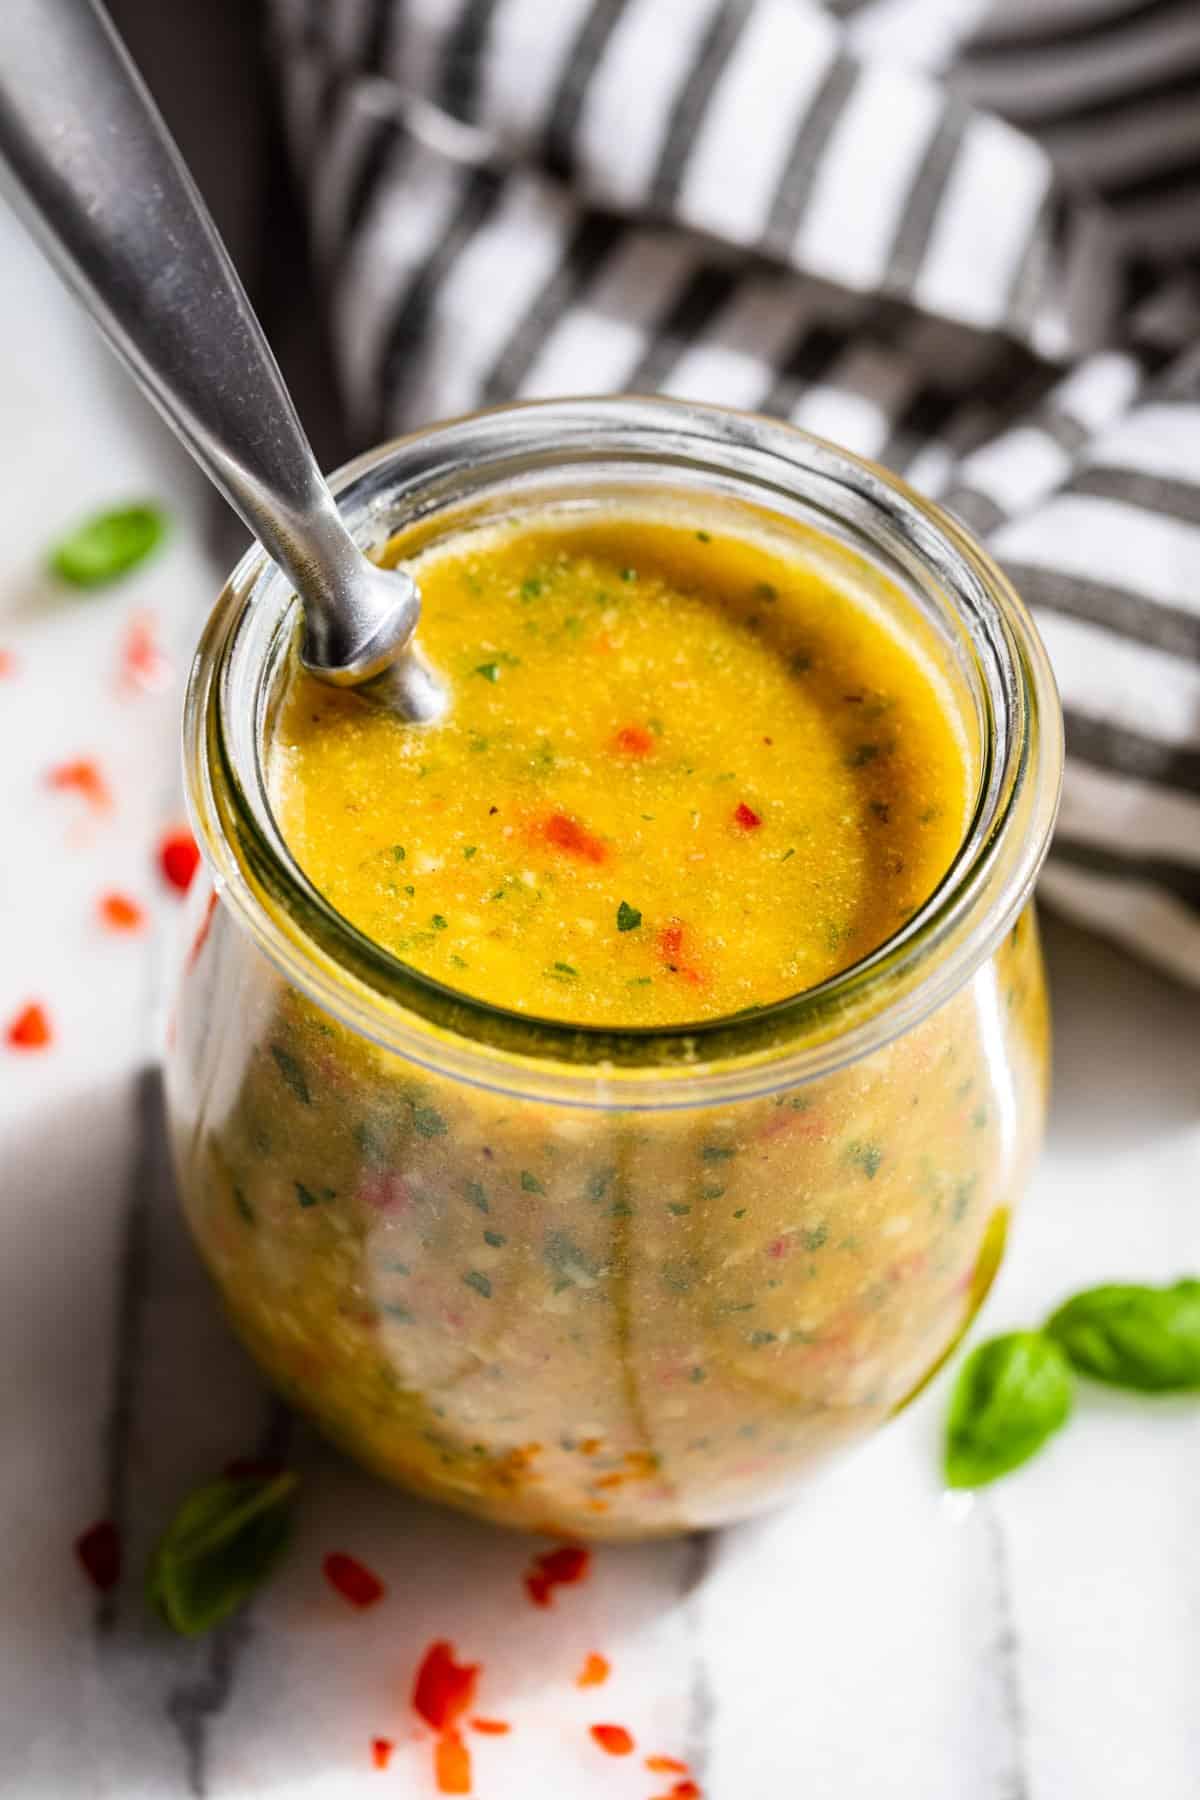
790 1041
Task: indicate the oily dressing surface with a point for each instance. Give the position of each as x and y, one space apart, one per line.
681 775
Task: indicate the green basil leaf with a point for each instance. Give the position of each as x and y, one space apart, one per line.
1012 1393
1134 1337
220 1546
628 917
108 545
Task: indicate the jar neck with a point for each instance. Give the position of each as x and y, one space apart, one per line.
862 523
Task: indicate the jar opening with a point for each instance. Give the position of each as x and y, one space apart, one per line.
866 530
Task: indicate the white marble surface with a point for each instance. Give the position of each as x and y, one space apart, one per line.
875 1640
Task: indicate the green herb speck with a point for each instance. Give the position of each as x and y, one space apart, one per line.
489 671
477 1195
628 574
680 1273
370 1142
865 1156
244 1208
704 537
479 1282
469 850
675 1207
305 1195
292 1073
717 1153
786 855
530 1182
568 1259
428 1121
628 917
496 1239
438 922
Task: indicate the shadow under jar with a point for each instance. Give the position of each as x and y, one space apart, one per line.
613 1283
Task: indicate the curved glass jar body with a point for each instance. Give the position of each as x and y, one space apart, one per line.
596 1283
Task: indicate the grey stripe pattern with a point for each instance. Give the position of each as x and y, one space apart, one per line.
1109 746
410 324
585 54
715 49
464 59
804 159
1167 495
149 1177
911 242
1172 629
702 297
591 244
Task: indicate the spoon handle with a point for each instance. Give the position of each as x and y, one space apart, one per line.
105 190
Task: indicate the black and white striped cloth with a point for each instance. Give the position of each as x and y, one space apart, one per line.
958 236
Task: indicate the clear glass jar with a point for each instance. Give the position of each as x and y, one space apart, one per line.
597 1283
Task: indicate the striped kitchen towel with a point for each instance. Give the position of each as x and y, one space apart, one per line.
958 236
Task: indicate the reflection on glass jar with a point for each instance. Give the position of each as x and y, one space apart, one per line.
590 1281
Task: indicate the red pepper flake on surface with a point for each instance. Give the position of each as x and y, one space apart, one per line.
30 1030
634 740
595 1671
746 817
556 1568
443 1689
613 1738
666 1765
99 1551
452 1764
670 949
8 664
381 1752
682 1790
119 913
491 1727
178 858
145 664
568 834
352 1579
82 776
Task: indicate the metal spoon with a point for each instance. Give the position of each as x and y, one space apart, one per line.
103 187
